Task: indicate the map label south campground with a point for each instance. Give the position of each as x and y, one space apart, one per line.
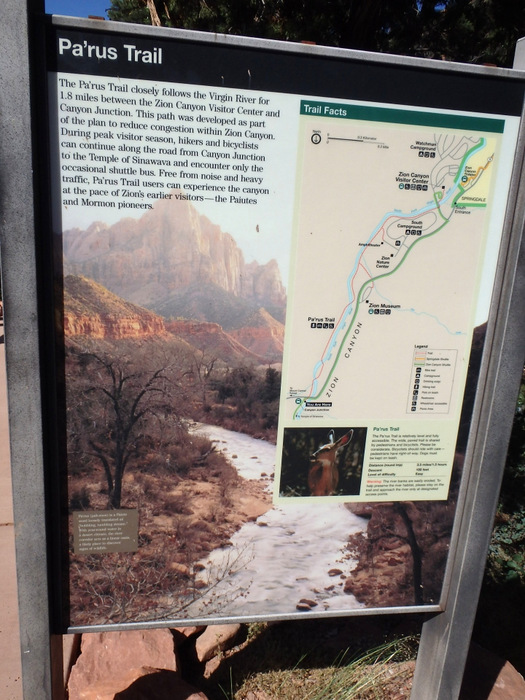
392 210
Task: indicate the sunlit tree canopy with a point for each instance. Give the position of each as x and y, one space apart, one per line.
472 31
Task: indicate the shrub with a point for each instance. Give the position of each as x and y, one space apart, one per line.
80 500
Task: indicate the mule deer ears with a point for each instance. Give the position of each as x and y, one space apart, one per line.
346 438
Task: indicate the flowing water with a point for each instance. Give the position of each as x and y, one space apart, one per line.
292 552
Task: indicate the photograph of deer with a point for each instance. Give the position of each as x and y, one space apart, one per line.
322 461
323 475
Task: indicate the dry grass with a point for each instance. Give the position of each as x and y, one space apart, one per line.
287 662
376 675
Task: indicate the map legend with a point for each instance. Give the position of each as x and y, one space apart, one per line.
432 379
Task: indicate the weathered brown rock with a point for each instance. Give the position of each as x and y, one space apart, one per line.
111 655
212 338
265 283
386 573
214 639
211 666
91 310
190 631
70 653
487 677
363 510
181 569
262 334
390 579
144 683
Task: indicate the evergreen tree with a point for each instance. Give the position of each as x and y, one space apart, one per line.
473 31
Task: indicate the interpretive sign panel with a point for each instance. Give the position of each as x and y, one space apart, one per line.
401 208
274 267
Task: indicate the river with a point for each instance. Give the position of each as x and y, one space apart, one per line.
291 553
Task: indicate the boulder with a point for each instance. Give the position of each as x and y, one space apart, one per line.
214 639
491 678
144 683
190 631
111 655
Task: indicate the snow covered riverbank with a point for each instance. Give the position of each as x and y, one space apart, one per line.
290 554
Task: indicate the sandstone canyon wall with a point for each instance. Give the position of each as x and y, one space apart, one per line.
170 248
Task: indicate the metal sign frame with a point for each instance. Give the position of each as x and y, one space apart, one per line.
446 633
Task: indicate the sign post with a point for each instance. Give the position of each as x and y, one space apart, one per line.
19 289
241 239
446 637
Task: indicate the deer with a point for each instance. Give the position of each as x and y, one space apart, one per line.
323 475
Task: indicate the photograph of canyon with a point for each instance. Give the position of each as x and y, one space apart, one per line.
172 365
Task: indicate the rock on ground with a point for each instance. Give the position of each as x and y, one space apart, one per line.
487 677
214 639
143 683
113 655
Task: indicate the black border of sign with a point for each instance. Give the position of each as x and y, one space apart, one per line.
444 643
199 58
194 58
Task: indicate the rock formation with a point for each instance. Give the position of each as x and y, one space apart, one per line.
169 248
113 666
401 559
262 334
91 310
211 339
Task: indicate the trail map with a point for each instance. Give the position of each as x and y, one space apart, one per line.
387 218
392 211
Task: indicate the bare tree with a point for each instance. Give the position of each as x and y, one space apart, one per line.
203 364
111 404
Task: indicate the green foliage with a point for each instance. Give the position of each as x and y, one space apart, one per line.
272 385
513 486
507 549
129 11
506 559
251 17
474 31
338 23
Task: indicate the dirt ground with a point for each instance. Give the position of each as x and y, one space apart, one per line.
181 520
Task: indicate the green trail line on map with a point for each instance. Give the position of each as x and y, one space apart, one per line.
371 280
466 157
472 179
